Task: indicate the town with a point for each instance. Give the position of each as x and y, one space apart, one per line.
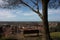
19 29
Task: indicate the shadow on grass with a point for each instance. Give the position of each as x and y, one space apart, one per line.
56 38
8 39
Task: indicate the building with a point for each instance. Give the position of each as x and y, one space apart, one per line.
16 29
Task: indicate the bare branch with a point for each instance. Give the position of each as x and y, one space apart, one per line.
29 6
41 16
33 9
35 3
37 6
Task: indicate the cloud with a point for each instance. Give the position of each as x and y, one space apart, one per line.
1 1
53 11
3 4
27 14
24 13
6 13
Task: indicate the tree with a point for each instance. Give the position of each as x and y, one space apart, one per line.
34 5
45 18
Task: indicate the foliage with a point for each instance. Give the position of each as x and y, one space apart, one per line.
54 29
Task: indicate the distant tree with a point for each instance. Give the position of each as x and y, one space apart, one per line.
34 5
1 31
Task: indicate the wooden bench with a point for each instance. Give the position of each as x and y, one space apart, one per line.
31 32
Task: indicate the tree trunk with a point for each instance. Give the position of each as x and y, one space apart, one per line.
45 20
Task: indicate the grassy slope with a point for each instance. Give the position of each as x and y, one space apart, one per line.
55 34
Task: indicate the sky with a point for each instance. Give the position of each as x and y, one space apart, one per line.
25 14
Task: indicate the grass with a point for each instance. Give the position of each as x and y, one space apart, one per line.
55 35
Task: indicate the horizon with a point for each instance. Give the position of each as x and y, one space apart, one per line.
28 21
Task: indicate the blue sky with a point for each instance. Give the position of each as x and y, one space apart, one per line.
25 14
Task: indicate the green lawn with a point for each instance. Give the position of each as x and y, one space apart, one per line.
55 35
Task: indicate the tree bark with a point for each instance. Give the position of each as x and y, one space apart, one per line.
45 20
